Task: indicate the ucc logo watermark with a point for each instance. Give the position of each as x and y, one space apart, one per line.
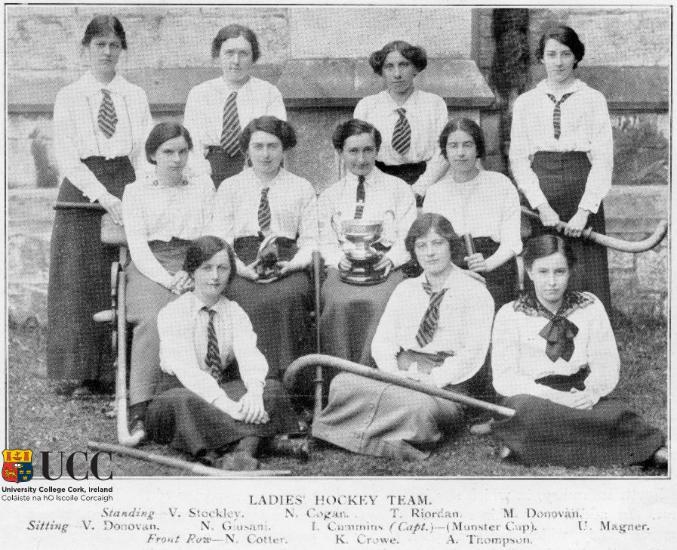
79 465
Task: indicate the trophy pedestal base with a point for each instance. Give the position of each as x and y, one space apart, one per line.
362 276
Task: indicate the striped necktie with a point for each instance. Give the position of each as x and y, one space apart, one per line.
264 210
428 326
557 113
402 133
359 198
213 357
107 118
230 133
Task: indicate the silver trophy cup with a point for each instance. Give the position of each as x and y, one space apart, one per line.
357 238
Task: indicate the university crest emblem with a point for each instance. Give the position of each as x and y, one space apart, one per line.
17 465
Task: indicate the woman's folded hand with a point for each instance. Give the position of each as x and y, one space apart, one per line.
251 405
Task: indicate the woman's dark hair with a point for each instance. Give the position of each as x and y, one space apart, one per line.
281 129
564 35
102 25
439 224
415 54
545 245
235 31
164 132
354 127
469 127
203 248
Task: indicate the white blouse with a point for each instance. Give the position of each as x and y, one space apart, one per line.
518 351
464 327
204 113
387 199
426 113
585 126
154 212
486 206
183 344
77 135
293 210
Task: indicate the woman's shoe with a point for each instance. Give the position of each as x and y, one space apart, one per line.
137 432
661 457
237 461
504 453
294 448
483 428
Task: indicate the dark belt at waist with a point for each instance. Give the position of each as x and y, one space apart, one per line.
562 382
408 172
247 247
561 155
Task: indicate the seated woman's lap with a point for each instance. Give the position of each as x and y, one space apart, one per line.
350 315
145 299
279 313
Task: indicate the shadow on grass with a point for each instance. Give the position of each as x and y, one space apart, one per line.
43 421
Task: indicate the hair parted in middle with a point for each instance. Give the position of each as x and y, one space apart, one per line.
354 127
415 54
427 222
546 245
164 131
281 129
468 126
235 31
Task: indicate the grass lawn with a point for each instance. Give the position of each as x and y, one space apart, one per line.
40 420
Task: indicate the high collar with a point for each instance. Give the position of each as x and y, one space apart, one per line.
262 184
369 180
411 100
92 86
229 88
575 86
449 282
529 304
195 304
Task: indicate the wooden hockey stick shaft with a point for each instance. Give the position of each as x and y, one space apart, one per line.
348 366
613 242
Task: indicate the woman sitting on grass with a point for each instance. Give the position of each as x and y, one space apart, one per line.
435 329
217 396
555 360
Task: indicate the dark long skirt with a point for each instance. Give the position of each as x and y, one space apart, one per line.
502 281
350 315
180 418
279 311
79 280
223 165
543 432
562 178
407 172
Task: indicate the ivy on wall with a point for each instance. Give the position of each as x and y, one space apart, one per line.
510 67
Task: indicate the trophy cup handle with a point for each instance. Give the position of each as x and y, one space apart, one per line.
387 229
336 226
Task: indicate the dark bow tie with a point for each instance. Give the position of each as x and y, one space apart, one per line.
559 334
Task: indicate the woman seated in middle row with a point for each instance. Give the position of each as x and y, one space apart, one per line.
481 203
350 312
263 202
436 329
162 214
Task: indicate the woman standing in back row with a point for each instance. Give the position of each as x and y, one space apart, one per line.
100 125
217 110
409 119
561 155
